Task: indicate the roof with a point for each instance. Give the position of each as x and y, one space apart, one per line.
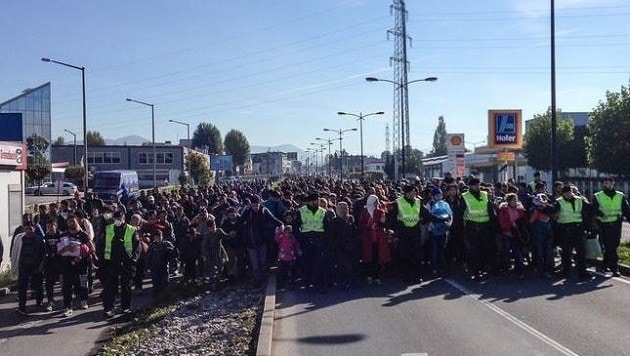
25 93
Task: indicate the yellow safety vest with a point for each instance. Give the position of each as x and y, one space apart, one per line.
312 222
611 207
127 241
476 210
569 215
409 214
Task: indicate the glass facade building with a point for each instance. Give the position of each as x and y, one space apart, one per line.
34 105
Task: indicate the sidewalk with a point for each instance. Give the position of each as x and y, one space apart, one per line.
46 333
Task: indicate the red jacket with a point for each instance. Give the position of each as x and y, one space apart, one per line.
508 217
373 231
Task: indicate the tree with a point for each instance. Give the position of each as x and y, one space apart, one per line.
75 174
537 142
199 168
439 139
59 141
37 145
608 137
413 162
236 144
94 138
208 136
38 165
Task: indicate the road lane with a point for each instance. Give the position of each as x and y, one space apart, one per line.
439 319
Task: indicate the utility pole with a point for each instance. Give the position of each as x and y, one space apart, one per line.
401 98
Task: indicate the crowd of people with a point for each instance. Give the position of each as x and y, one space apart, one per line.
320 233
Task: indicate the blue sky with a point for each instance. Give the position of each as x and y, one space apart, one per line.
279 70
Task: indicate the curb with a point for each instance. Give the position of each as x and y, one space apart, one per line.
623 269
265 336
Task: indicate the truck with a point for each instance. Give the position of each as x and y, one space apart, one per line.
111 185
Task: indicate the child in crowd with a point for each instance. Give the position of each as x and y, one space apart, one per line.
542 236
160 253
288 253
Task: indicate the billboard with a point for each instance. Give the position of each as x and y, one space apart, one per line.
456 154
11 124
13 155
505 128
221 163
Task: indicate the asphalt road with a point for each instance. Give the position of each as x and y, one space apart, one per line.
455 316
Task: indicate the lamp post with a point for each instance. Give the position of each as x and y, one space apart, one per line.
320 150
399 86
152 135
188 139
361 117
340 132
554 123
74 137
85 150
329 142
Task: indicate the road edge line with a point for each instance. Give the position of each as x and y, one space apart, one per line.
265 336
529 329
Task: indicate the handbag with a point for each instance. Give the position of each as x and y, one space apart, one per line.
593 249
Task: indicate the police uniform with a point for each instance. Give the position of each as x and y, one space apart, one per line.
571 214
610 207
478 216
312 243
409 245
118 253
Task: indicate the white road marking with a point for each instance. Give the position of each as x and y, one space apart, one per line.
619 279
544 338
415 354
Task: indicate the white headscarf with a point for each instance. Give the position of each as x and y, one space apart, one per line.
371 203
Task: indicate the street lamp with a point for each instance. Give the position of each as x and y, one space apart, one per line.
320 150
340 132
188 141
361 117
399 86
85 150
152 134
74 137
329 142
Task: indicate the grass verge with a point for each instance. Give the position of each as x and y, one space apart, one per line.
5 279
624 254
126 339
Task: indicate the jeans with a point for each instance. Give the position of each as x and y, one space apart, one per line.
28 276
542 241
511 249
438 244
74 282
257 261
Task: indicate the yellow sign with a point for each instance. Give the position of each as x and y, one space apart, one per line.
505 156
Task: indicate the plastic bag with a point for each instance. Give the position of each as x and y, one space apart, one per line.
593 249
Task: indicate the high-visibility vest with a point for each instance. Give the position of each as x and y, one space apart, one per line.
312 222
569 214
127 240
476 210
408 213
611 207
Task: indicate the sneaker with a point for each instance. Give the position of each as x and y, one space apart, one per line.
22 311
616 274
49 306
126 311
108 313
68 313
84 304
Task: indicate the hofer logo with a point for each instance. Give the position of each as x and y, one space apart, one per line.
505 125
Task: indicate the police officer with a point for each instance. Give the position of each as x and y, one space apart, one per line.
118 254
311 223
479 218
406 213
571 213
610 206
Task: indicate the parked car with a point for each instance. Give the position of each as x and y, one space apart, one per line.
51 188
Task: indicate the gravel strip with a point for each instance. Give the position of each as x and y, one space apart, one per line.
215 323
